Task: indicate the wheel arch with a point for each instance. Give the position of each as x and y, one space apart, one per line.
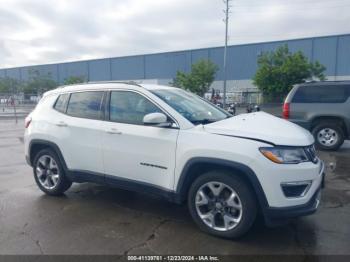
37 145
200 165
335 119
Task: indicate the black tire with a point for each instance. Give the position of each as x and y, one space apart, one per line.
246 196
330 125
63 183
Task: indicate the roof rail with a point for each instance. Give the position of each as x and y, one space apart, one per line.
104 82
116 82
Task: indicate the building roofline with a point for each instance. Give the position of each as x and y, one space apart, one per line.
178 51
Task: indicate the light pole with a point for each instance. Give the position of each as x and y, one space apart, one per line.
226 11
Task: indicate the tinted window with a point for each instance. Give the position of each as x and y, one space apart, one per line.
129 107
61 103
85 105
322 94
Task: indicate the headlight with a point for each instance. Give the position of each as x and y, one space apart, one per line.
285 155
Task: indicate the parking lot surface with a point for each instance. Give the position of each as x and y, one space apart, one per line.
94 219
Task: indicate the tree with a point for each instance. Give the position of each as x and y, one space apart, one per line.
278 71
39 83
10 85
199 79
74 80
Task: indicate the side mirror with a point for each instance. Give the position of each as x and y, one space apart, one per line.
156 119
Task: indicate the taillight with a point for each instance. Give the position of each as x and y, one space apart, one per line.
27 121
286 110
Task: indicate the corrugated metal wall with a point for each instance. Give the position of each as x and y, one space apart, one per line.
331 51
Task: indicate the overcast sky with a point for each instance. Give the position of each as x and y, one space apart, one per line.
50 31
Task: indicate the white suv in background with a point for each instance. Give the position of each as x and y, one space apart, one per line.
166 141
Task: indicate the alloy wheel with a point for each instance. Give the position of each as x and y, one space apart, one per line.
47 172
218 206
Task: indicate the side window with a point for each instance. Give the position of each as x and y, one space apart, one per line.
61 103
321 94
85 104
129 107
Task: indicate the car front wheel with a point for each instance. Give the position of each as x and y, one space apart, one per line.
222 204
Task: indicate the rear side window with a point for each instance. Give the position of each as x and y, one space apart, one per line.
322 94
61 103
85 104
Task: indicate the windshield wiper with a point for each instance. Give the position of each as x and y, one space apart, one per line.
204 121
208 121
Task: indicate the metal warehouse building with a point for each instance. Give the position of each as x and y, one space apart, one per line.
331 51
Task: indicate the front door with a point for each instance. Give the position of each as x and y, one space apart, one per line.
133 151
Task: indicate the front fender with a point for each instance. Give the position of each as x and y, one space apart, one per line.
186 178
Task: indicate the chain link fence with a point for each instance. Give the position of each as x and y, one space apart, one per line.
14 106
245 100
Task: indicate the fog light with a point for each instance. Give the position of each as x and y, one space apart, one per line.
296 189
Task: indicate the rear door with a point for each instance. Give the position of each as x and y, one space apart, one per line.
81 130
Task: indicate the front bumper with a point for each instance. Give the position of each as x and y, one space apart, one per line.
278 215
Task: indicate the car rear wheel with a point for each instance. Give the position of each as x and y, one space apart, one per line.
49 174
328 136
222 204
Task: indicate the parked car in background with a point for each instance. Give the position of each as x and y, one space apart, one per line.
323 108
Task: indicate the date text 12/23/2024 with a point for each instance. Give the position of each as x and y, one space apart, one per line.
173 258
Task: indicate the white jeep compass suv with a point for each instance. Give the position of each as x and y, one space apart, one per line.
166 141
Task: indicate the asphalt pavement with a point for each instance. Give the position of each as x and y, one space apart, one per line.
94 219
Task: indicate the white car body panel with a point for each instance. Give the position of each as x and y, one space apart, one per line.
263 126
246 152
87 145
79 141
130 151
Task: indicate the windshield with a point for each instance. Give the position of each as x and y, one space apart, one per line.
192 107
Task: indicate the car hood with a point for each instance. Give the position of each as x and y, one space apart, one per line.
262 126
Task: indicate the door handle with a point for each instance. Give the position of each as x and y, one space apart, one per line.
114 131
61 124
